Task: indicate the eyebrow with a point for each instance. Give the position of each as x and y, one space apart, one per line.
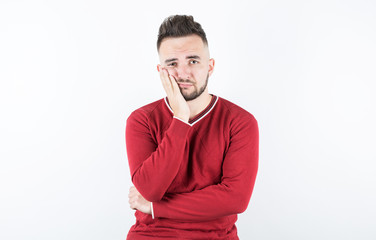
170 60
188 57
193 57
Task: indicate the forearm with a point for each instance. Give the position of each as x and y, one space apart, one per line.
212 202
153 170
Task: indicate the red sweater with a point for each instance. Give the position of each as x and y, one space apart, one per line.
198 176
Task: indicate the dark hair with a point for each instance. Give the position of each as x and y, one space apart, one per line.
180 26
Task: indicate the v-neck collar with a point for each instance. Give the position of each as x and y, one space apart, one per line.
202 114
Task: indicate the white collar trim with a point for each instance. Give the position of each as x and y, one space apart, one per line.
216 100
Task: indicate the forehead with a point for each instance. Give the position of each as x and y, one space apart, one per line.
171 47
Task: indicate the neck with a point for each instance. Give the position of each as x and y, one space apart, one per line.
199 104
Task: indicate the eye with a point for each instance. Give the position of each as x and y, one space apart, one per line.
173 64
193 62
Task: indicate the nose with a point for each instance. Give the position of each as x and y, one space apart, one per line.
183 72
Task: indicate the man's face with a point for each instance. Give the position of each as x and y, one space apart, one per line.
187 59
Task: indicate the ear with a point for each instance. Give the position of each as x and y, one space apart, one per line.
159 67
211 66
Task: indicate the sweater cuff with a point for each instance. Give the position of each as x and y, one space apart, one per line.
152 210
161 210
179 128
182 120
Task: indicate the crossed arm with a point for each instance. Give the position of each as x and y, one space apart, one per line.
163 162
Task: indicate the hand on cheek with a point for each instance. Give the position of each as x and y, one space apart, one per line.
176 100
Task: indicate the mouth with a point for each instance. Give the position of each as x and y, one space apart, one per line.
184 85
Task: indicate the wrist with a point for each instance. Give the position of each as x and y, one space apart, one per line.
182 118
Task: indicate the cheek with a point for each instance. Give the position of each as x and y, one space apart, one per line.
203 73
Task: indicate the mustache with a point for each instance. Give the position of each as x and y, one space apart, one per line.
184 81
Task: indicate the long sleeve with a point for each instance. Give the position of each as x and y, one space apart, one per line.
153 167
232 194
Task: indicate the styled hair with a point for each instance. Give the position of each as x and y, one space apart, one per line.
180 26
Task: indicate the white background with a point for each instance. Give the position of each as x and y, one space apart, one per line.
72 71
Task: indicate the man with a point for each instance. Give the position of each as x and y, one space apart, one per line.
193 156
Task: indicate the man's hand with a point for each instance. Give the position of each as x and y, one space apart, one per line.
177 102
138 202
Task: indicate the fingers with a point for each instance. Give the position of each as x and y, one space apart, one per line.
133 192
174 83
138 202
165 84
133 203
132 197
132 189
168 82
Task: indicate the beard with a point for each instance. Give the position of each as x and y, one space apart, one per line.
196 93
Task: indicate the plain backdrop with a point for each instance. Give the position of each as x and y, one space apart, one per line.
72 71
